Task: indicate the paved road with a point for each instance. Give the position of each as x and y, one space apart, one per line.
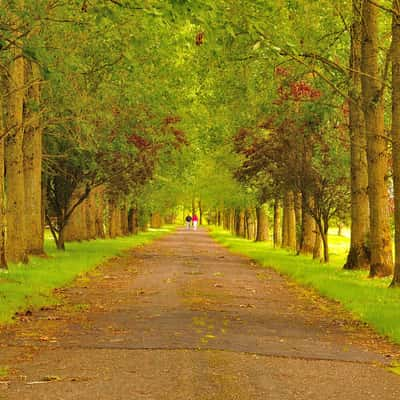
183 318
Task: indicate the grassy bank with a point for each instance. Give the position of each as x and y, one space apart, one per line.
30 286
370 300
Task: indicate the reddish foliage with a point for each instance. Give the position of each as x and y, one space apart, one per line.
140 142
180 137
171 119
297 91
281 71
199 38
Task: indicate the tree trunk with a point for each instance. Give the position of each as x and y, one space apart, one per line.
16 231
396 134
32 148
250 224
323 233
277 222
91 216
285 232
262 223
3 259
83 220
317 244
289 222
133 221
124 221
99 212
377 154
117 223
359 253
232 220
71 231
324 238
112 230
60 241
242 223
308 227
298 212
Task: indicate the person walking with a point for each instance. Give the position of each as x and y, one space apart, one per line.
188 220
195 221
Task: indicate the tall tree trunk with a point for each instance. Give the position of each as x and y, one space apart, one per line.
232 220
285 232
91 216
289 222
242 223
250 224
16 236
359 253
32 148
323 234
124 220
298 212
83 220
262 223
396 134
377 154
112 227
3 259
133 221
117 216
317 244
308 227
277 222
99 218
71 231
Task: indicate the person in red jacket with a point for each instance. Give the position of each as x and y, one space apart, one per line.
195 221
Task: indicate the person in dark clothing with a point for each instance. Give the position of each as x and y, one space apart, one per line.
188 220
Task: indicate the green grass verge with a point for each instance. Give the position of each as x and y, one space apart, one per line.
31 286
369 300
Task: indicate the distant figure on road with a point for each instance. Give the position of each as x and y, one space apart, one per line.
195 221
188 220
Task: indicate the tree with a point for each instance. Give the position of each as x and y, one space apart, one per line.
359 253
396 133
377 152
16 229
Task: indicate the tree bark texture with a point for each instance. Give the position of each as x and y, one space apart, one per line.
91 216
377 153
396 134
308 227
32 148
242 223
250 224
317 245
277 223
359 253
289 222
3 259
133 221
99 207
16 231
262 223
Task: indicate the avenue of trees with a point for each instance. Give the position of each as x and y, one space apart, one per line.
252 113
